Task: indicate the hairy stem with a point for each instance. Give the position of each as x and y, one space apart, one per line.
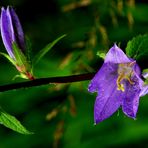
45 81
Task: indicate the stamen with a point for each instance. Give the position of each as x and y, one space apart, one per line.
130 81
119 85
125 71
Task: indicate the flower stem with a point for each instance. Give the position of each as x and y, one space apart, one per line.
45 81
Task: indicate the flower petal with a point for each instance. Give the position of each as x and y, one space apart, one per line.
109 98
10 25
144 91
137 70
107 103
131 97
18 34
145 75
107 71
116 55
6 32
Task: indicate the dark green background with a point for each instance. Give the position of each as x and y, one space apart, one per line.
90 28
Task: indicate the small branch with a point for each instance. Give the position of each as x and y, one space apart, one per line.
45 81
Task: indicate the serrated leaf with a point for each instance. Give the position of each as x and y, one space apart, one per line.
137 47
11 122
8 58
41 53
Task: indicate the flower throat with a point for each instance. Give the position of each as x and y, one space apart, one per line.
125 72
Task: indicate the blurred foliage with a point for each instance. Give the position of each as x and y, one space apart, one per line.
61 115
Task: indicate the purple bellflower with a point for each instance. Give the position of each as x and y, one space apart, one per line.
12 34
118 84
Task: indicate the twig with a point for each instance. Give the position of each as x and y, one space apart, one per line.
45 81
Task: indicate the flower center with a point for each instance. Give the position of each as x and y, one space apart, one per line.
125 71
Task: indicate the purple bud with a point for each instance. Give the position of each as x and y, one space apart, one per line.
11 30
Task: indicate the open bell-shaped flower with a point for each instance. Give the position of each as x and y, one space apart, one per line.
118 84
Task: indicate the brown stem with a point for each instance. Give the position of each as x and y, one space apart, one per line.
45 81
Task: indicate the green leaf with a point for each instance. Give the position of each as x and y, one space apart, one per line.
11 122
101 54
145 71
21 60
19 56
21 75
8 58
41 53
138 47
146 82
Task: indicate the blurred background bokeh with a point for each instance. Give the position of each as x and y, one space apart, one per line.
61 115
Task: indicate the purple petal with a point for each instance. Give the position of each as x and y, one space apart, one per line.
116 55
136 67
108 99
108 70
10 25
131 97
137 70
6 32
16 27
144 91
145 75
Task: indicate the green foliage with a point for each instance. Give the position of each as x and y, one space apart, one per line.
92 26
145 71
8 58
146 82
101 54
137 48
19 56
21 61
11 122
47 48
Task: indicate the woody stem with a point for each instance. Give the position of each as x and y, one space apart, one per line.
45 81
